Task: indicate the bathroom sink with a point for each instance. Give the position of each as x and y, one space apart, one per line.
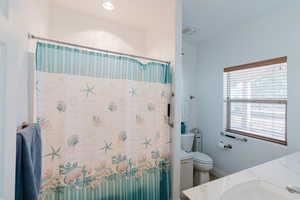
256 190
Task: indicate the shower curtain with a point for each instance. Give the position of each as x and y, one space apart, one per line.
104 124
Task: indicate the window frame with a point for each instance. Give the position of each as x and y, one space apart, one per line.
229 101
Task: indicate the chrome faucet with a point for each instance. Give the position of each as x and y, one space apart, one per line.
293 189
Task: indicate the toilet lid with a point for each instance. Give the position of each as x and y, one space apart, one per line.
202 158
184 155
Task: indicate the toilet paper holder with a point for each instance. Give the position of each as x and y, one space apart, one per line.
228 146
224 146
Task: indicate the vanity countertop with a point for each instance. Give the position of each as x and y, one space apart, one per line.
280 173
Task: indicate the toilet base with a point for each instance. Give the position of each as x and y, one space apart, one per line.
200 177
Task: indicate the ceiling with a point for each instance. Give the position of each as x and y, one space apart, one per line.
209 17
212 17
142 14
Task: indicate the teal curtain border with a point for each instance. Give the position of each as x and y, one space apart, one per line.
53 58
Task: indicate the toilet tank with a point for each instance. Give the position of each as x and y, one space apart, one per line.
187 141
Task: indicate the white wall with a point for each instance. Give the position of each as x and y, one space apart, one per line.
20 19
272 36
177 64
160 39
190 79
36 21
38 17
74 27
13 46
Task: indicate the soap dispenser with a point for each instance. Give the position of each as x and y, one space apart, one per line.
183 128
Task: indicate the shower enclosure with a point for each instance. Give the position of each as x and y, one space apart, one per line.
105 128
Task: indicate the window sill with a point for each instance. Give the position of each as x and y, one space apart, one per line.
257 137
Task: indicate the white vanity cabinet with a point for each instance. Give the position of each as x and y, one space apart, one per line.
186 174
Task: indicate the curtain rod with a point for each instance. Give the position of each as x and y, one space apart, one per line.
30 36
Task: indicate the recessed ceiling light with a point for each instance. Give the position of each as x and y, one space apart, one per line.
108 5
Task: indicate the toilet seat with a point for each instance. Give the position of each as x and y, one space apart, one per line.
202 158
184 155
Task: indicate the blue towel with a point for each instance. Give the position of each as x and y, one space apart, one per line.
28 163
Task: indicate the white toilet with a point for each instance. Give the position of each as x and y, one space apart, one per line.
202 162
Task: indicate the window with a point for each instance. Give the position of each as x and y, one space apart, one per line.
255 97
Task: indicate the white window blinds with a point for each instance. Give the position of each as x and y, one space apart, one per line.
256 100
